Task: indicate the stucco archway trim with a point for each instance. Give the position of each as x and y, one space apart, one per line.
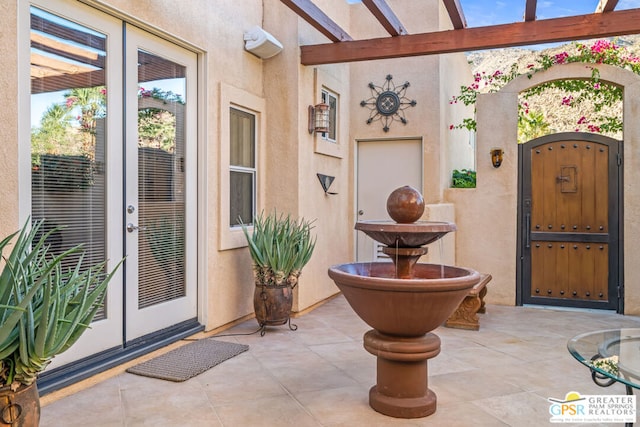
575 70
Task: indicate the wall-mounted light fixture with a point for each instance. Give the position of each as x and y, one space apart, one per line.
319 118
496 157
325 182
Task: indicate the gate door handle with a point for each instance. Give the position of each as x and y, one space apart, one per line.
527 235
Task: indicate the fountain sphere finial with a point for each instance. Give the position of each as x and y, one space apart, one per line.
405 205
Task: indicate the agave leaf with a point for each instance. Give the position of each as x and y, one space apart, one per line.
280 244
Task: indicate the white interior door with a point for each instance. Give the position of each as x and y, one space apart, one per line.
160 184
383 166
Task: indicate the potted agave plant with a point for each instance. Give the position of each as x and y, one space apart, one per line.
280 247
44 308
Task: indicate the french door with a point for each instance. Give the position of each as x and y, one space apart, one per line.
113 163
160 184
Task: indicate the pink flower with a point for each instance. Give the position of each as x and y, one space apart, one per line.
451 127
582 120
560 58
596 85
567 100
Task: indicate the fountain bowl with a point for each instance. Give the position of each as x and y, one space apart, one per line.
413 235
403 307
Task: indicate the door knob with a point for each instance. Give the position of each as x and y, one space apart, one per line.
131 228
360 212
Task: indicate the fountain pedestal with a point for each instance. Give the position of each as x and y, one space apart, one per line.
402 389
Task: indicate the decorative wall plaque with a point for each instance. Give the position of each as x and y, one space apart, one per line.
387 103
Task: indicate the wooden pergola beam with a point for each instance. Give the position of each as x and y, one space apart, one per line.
455 13
518 34
530 10
606 6
383 13
318 19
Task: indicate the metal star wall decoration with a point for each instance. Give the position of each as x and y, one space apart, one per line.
387 103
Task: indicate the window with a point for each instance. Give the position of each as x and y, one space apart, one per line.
332 90
242 132
68 133
242 167
331 99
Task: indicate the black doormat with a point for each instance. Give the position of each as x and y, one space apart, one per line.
188 360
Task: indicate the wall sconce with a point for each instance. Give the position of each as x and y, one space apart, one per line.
319 118
496 157
325 182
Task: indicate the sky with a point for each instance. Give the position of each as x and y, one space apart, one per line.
479 13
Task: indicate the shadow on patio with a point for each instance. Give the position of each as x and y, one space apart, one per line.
320 375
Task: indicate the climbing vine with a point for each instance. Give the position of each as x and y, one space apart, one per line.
597 103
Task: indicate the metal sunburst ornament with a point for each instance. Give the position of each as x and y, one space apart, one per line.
387 103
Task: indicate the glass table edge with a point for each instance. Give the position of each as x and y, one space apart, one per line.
587 362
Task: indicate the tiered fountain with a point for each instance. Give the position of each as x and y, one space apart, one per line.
403 302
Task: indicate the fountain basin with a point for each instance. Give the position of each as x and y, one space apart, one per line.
411 235
403 307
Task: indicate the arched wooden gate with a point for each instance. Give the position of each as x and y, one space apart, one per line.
569 220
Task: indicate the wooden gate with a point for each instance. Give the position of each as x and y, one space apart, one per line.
569 221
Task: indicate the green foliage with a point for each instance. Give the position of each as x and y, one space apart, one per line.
531 125
156 129
593 92
464 178
44 308
280 246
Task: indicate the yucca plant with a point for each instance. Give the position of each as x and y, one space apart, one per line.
280 246
44 306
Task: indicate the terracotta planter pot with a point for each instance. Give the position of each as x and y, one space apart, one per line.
20 408
272 304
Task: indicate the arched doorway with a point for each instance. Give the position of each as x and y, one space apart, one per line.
569 220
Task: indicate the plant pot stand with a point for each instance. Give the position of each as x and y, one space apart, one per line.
272 305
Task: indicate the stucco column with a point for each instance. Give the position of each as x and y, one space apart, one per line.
631 198
492 226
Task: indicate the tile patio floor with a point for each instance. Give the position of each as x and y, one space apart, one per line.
320 375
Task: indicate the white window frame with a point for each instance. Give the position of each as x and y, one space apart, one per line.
333 114
253 171
326 84
232 97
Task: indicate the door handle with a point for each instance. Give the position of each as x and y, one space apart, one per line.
527 235
360 212
131 228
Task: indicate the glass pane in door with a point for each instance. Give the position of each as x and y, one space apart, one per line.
68 122
161 179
